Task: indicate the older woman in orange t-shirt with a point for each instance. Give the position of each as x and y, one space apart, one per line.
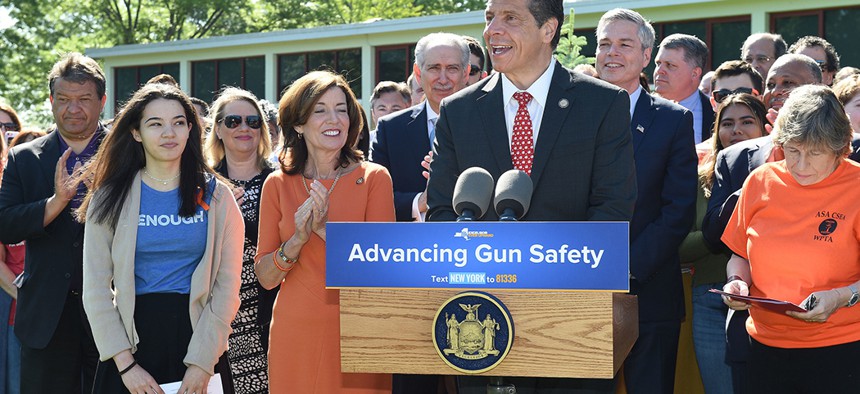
795 234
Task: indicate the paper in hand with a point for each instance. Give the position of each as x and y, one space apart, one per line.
766 303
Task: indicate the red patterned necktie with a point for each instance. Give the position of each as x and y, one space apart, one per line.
522 146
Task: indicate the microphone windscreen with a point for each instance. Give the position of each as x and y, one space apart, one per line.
514 191
473 191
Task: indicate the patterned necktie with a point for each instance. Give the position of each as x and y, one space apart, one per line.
522 149
432 131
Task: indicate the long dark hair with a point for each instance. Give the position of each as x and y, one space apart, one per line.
706 170
297 105
120 157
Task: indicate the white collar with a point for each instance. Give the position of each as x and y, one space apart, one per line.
539 89
634 98
430 113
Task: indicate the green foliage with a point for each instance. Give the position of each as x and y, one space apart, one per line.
46 29
569 46
436 7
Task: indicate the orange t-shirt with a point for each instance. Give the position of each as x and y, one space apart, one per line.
799 239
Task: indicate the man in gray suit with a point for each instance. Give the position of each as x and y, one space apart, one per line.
571 133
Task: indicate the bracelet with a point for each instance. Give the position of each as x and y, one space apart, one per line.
128 368
735 277
279 254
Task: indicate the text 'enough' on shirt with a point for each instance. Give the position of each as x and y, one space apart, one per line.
169 246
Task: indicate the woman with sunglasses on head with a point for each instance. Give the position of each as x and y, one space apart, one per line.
739 117
238 148
322 178
162 250
11 265
10 125
11 257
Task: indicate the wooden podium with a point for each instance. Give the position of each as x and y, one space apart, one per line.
568 334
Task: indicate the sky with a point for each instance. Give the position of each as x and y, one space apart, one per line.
5 20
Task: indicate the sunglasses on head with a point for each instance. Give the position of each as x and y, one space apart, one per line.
233 121
9 126
720 95
474 70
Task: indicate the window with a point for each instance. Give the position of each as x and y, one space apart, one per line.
208 77
723 37
834 25
394 63
346 62
128 79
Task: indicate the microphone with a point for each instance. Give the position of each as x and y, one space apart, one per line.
472 194
513 195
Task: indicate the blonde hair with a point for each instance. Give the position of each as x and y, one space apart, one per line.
214 146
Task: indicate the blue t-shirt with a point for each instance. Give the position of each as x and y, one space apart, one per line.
169 246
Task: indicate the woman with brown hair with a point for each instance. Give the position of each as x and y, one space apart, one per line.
162 250
322 177
739 117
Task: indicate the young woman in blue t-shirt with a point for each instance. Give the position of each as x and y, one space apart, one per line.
162 250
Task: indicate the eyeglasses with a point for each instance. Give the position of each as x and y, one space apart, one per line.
759 58
720 95
474 70
233 121
9 126
822 64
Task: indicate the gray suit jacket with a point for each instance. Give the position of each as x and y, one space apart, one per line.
583 164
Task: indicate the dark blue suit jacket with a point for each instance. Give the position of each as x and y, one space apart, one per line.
401 142
665 157
54 253
583 159
734 165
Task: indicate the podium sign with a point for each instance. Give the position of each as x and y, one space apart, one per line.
479 255
401 306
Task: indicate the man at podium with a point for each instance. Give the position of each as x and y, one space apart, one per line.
569 132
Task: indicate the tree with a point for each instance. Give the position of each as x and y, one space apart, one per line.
436 7
46 29
570 45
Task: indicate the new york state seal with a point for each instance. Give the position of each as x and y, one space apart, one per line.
473 332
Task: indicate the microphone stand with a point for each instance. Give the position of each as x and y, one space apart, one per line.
497 386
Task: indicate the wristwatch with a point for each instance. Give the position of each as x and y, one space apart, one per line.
855 296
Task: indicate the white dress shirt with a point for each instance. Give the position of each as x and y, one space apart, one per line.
539 91
431 131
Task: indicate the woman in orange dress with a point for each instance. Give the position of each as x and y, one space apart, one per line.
322 177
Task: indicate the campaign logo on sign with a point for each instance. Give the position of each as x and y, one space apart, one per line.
467 235
473 332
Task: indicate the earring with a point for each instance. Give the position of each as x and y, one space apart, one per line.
300 135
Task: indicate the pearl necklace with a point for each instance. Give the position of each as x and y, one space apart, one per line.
162 181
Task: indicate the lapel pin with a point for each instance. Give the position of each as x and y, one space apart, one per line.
359 181
563 103
640 129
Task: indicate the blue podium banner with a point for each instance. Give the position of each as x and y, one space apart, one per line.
479 255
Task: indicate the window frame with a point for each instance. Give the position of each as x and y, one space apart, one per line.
216 74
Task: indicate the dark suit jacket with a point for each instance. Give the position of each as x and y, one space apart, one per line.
666 177
734 165
707 116
54 253
400 145
583 160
